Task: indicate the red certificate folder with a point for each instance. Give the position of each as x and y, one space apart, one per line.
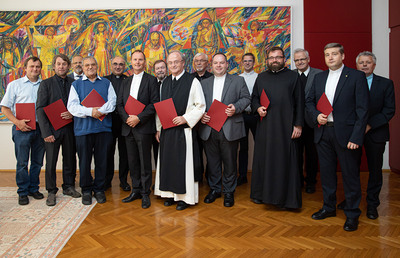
53 112
134 106
26 111
264 100
166 112
94 99
323 105
217 115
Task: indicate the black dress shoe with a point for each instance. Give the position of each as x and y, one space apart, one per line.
133 196
372 212
310 188
181 206
87 198
100 197
145 201
169 202
323 214
37 195
241 180
342 205
23 200
229 201
351 224
125 187
257 201
211 196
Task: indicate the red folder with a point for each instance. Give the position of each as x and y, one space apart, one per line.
217 115
94 99
26 111
134 106
323 105
166 112
264 100
53 112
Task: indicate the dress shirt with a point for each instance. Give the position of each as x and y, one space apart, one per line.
306 72
369 80
330 87
77 76
20 91
137 78
250 79
76 109
179 75
218 87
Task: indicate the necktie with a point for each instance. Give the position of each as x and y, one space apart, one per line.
303 79
159 83
174 83
64 91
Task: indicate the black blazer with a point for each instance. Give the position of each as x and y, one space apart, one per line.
350 106
50 91
381 108
148 94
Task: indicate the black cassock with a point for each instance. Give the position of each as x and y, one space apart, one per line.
275 173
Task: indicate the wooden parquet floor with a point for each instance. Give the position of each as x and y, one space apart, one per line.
117 229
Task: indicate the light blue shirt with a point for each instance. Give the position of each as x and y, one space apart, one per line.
21 90
369 80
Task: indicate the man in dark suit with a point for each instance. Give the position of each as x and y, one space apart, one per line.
306 141
381 110
139 130
77 70
51 90
340 134
116 78
221 147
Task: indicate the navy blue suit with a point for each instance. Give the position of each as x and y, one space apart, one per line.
350 114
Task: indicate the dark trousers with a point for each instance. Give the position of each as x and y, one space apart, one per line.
97 144
139 152
220 151
250 124
374 152
155 149
28 144
123 168
307 148
67 140
329 151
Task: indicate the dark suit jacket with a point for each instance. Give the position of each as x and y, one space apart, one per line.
234 92
49 91
381 108
148 94
350 106
71 75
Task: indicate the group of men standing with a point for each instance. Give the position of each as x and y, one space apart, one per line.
279 107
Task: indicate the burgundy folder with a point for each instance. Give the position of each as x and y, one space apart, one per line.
323 105
166 112
134 106
217 115
26 111
53 112
94 99
264 100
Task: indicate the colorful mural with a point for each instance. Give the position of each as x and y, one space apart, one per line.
107 33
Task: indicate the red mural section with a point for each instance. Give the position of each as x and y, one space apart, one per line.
394 59
346 22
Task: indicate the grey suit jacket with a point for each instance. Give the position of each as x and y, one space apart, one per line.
234 92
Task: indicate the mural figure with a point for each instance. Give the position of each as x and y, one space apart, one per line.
100 49
206 40
155 49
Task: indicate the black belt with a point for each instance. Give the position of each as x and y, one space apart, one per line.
329 124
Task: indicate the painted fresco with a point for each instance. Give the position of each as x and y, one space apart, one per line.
107 33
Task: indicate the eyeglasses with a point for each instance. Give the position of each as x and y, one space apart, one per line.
118 64
174 62
275 57
300 60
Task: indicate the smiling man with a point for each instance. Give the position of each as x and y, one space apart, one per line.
93 136
77 70
51 90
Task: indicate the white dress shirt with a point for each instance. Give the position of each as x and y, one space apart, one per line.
330 87
137 78
218 87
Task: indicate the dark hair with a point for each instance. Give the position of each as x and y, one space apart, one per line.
63 57
220 53
138 51
275 48
249 54
34 59
159 61
332 45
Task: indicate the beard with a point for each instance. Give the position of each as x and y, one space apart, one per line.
275 66
78 69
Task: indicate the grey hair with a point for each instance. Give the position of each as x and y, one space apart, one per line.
366 53
298 50
183 56
89 57
200 54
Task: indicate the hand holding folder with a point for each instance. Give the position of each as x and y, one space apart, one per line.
323 105
166 112
264 101
53 112
217 115
26 111
94 99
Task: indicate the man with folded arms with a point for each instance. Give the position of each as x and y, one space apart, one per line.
116 79
93 135
175 175
221 147
139 130
50 90
27 141
340 134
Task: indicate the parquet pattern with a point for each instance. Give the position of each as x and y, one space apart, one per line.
117 229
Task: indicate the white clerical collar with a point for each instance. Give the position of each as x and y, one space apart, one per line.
139 74
220 77
250 73
337 70
179 75
306 72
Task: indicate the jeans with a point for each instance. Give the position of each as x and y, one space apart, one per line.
28 143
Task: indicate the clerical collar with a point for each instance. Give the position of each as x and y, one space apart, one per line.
306 72
272 71
250 73
139 74
337 70
178 76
